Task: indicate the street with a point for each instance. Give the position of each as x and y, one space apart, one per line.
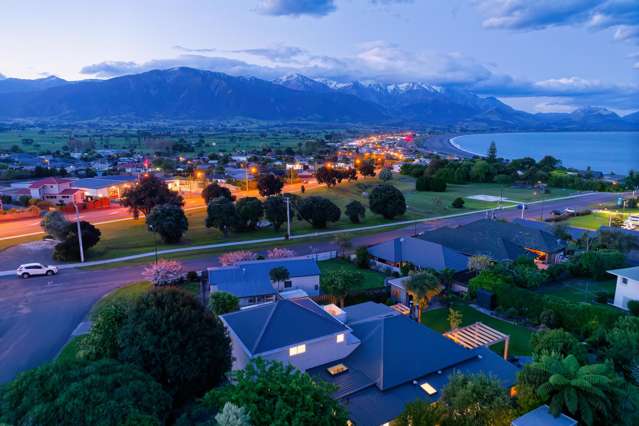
38 315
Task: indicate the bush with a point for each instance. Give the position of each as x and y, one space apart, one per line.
633 307
355 211
548 318
192 276
458 203
221 303
362 257
169 221
595 264
427 183
387 201
69 248
488 280
602 297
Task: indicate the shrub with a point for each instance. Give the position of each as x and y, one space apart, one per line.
427 183
488 280
548 318
192 276
388 201
169 221
221 303
601 297
355 211
362 257
595 264
458 203
633 307
69 248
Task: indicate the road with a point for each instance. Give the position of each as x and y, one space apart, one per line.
38 315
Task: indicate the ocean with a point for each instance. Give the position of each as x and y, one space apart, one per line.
616 152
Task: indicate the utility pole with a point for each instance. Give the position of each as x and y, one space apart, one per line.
288 217
155 238
77 222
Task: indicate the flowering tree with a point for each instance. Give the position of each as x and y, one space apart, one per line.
232 257
164 272
279 253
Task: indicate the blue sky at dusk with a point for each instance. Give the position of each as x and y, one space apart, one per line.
542 55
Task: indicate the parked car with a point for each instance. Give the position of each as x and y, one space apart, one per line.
632 222
569 211
522 206
33 269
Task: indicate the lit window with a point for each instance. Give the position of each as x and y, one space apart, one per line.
296 350
426 387
340 338
337 369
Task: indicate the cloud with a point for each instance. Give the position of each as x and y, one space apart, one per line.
296 7
190 50
635 58
2 77
387 62
623 15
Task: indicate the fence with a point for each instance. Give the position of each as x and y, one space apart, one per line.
100 203
29 213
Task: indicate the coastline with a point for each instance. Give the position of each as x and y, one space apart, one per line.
445 145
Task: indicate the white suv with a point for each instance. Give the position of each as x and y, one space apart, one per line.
32 269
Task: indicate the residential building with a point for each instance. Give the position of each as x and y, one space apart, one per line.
104 186
378 360
423 254
627 286
56 190
541 416
500 240
250 281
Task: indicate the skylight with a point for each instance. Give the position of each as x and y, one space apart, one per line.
426 387
337 369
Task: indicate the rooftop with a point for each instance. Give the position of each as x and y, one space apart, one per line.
632 273
419 252
541 416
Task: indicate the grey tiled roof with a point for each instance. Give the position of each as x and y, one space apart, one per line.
419 252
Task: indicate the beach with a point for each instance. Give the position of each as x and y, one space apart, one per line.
442 144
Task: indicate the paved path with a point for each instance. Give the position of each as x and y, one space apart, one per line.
38 315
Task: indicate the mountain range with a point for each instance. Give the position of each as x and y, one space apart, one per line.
192 94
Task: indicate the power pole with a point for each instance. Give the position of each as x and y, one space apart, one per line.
288 217
77 222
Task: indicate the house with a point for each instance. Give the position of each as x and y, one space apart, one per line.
55 190
104 186
541 416
378 360
423 254
575 233
627 286
250 281
499 240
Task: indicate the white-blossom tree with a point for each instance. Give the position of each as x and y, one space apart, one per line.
232 257
164 272
279 253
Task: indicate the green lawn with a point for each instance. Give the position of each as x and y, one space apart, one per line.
123 294
70 350
598 219
437 319
372 279
579 289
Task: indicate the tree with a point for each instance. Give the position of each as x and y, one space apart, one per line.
169 221
343 242
221 214
69 248
214 190
164 272
275 211
621 345
249 211
423 287
233 257
171 336
387 201
317 211
476 400
362 257
616 221
340 282
481 171
447 278
492 152
558 342
149 192
271 392
55 224
593 394
355 211
269 185
101 393
614 240
479 263
421 413
454 318
102 340
221 303
279 275
385 175
279 253
326 175
232 415
367 168
458 203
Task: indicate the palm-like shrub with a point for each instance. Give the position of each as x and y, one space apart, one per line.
423 287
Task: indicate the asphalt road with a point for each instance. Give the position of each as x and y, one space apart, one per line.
38 315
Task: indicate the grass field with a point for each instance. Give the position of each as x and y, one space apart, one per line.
579 289
437 319
372 279
597 219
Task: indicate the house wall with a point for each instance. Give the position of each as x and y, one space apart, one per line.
240 357
625 292
310 284
317 352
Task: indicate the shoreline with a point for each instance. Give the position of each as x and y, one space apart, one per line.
444 145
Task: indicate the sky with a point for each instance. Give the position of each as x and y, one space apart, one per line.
536 55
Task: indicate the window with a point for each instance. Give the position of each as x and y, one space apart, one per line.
337 369
624 280
287 284
340 338
296 350
426 387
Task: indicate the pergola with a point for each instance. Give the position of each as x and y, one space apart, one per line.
478 334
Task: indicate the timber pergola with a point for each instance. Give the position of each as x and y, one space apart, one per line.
478 334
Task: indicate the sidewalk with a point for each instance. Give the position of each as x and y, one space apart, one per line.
293 237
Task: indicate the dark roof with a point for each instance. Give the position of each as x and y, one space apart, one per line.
575 233
281 324
251 278
367 310
632 273
102 181
541 416
494 238
419 252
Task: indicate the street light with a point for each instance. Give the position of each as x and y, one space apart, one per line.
253 171
77 222
155 236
